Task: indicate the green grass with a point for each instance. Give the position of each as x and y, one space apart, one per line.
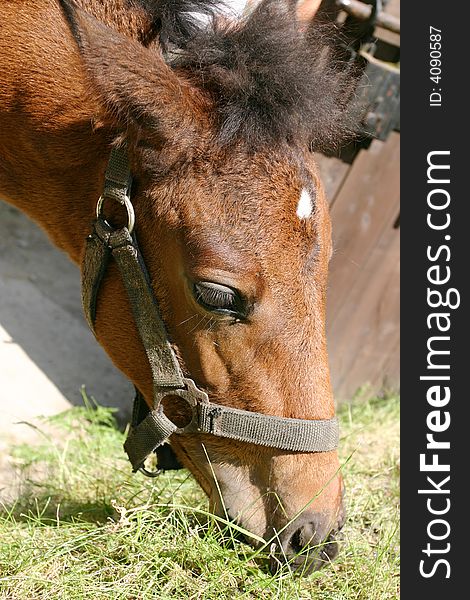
84 527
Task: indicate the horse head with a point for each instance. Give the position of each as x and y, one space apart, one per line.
233 224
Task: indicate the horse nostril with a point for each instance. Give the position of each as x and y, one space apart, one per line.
306 545
301 538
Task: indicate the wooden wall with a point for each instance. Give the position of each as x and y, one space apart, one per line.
363 294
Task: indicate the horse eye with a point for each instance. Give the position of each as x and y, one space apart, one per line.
219 298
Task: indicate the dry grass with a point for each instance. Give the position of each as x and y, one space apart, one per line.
84 527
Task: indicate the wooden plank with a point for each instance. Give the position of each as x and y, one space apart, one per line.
392 8
388 36
390 377
333 172
367 203
363 300
363 342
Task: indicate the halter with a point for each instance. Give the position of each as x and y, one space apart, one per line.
150 429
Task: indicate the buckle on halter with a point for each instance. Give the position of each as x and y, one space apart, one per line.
193 396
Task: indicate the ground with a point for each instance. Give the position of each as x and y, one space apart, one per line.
46 350
82 526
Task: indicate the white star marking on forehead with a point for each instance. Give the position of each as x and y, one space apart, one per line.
305 205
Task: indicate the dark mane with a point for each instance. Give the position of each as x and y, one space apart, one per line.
269 81
175 21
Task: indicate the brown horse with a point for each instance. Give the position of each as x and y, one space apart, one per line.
220 117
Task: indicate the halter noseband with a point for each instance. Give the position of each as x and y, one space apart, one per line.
150 429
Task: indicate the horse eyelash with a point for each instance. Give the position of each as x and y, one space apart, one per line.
214 297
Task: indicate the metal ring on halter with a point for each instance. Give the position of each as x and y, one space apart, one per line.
148 473
126 202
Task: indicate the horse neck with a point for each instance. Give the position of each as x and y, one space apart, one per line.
53 148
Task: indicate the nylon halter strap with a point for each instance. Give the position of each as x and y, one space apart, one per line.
152 428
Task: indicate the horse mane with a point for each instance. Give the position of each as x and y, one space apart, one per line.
269 81
178 21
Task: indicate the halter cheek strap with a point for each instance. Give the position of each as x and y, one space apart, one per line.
150 429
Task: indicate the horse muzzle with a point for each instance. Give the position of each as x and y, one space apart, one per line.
307 544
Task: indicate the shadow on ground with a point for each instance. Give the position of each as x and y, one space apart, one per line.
47 352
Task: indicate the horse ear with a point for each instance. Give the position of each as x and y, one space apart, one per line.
134 83
306 10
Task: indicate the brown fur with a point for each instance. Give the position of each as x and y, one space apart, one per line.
212 212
